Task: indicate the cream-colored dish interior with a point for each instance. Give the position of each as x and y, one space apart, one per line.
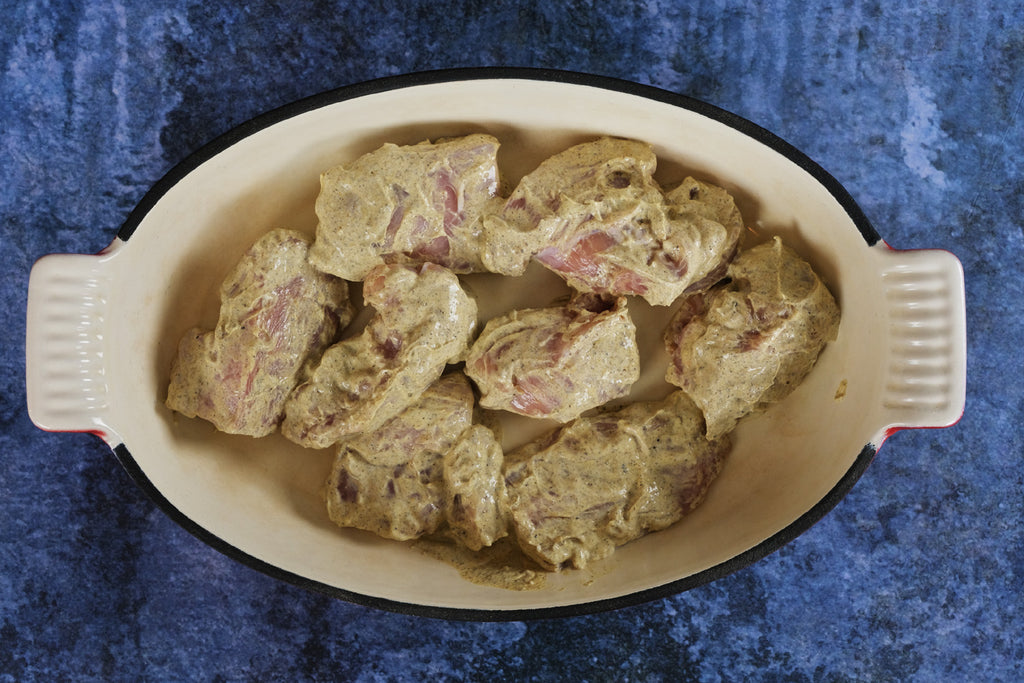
262 496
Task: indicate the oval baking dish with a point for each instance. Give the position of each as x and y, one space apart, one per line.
102 330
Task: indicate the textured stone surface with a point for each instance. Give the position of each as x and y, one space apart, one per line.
914 107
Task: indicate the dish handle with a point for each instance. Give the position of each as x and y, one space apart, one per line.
925 310
66 337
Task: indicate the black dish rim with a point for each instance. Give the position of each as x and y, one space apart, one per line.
742 125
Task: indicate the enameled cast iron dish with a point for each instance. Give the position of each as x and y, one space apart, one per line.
102 330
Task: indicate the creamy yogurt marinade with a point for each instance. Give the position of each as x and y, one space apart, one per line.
751 340
411 404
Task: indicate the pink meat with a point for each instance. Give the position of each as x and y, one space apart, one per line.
595 215
408 204
391 482
599 482
423 321
277 313
556 362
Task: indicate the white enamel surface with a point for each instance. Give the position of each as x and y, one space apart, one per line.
892 357
67 333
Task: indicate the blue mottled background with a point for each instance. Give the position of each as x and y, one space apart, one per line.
914 107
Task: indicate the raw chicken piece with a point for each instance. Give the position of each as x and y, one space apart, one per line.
749 342
391 481
424 320
556 362
595 215
596 178
407 204
277 314
599 482
476 504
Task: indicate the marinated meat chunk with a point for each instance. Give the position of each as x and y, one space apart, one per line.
599 482
556 362
711 210
423 321
391 481
749 342
407 204
476 504
595 215
277 314
591 179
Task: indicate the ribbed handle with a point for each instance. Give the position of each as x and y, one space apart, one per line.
926 373
66 352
